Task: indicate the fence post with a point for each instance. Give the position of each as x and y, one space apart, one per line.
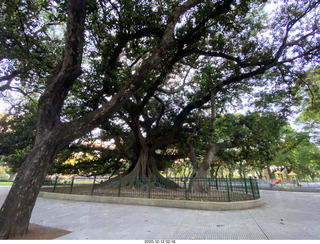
55 184
257 187
120 179
251 184
230 183
217 184
185 188
245 184
149 186
94 181
228 189
71 184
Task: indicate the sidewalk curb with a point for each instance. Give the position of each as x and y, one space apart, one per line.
217 206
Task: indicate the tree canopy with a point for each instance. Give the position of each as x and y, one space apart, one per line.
309 99
169 57
143 71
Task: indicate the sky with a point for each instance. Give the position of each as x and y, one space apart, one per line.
3 106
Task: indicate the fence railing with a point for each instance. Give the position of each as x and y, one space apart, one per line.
196 189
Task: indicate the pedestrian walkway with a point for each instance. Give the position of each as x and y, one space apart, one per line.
285 216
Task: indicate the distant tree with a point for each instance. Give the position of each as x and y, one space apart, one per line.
17 135
309 98
297 153
263 140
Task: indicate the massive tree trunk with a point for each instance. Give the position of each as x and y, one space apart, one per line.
51 136
141 174
196 184
17 208
146 167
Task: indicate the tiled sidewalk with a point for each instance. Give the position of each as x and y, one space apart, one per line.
285 216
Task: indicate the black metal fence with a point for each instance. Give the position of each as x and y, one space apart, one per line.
196 189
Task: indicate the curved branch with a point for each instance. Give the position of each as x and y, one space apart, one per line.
192 153
162 110
170 137
66 73
119 145
180 88
9 78
93 119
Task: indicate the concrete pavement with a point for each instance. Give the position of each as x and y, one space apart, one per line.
285 216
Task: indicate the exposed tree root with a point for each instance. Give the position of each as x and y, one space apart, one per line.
198 187
143 183
143 176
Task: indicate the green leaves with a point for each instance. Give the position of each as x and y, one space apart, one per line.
17 135
297 153
232 48
30 48
307 92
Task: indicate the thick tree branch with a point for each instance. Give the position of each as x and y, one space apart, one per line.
93 119
192 153
170 137
124 150
9 78
65 74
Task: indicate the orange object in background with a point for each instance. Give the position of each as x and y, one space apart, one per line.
277 181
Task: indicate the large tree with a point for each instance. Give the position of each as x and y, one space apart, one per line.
273 60
129 45
52 133
159 109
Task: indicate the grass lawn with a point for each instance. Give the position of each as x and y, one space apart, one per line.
5 183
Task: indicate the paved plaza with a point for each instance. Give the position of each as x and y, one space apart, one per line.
285 216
